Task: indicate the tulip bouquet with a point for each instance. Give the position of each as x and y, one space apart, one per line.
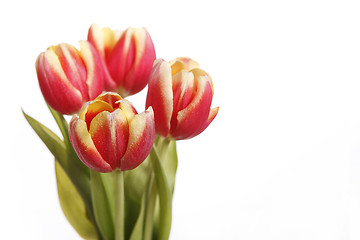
115 168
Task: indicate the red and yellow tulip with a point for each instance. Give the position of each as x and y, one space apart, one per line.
68 78
109 134
127 57
181 95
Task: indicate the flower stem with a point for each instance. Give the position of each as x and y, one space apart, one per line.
119 205
150 209
165 195
163 147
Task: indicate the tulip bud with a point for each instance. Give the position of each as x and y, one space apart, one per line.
109 134
127 57
180 94
69 78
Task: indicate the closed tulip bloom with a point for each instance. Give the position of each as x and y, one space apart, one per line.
127 57
68 78
109 134
181 95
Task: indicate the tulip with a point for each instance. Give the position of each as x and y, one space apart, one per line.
127 57
69 78
109 134
180 94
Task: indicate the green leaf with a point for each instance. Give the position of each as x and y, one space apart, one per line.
61 122
165 195
64 128
137 232
73 206
50 139
136 181
101 205
132 211
78 173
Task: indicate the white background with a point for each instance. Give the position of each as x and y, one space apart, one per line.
280 161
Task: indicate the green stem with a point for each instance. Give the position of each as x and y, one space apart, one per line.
150 209
119 205
165 195
163 147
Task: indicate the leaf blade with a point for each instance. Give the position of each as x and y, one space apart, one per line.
55 145
73 205
101 207
138 230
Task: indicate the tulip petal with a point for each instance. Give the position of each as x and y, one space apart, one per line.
110 133
194 116
111 98
104 41
96 37
160 96
131 60
199 72
121 58
183 88
141 139
73 66
128 109
189 64
104 137
212 114
58 91
94 69
84 146
176 66
92 109
138 76
120 129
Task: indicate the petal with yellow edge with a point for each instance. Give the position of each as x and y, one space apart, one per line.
84 146
141 135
